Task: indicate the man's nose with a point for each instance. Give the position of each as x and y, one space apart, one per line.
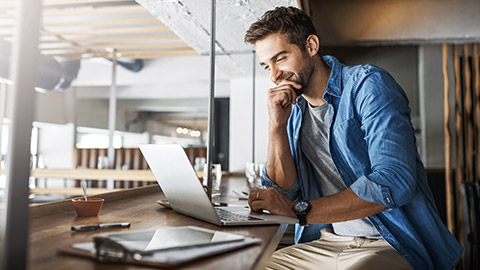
275 74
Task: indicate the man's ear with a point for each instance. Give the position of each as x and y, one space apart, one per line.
312 45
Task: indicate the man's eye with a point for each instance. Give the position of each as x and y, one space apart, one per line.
280 59
266 68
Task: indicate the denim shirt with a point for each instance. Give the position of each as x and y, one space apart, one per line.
373 147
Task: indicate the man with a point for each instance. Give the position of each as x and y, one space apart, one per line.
342 158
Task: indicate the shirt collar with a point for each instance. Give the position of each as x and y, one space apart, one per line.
334 84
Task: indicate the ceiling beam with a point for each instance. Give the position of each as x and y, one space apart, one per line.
84 2
107 31
46 3
96 23
138 54
63 12
115 22
104 31
123 38
117 46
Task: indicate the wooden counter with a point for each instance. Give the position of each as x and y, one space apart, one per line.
96 174
50 229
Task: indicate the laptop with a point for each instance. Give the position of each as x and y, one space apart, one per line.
181 186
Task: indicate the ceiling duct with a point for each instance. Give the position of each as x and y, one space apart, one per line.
70 70
49 73
72 67
54 74
49 70
133 65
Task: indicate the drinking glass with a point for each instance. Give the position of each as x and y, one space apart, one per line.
253 172
199 163
216 178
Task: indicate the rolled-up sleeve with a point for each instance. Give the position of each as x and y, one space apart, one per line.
291 193
384 114
370 191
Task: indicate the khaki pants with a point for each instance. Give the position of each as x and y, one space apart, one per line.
332 251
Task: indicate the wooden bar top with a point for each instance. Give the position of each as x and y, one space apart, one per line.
96 174
50 230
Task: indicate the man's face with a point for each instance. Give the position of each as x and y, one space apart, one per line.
284 61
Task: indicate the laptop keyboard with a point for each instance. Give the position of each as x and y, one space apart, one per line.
229 216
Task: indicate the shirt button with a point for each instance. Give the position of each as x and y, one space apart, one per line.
296 137
388 199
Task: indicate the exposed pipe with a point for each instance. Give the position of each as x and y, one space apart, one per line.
112 114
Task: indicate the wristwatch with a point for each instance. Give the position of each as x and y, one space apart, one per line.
301 209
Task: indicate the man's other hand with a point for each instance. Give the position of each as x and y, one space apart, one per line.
272 201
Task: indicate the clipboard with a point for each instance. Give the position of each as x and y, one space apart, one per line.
167 257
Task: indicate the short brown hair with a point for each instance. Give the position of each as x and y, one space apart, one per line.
290 21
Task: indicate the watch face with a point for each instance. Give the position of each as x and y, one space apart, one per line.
301 206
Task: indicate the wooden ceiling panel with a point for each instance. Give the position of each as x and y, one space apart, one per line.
80 29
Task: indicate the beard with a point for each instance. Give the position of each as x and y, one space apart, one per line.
303 77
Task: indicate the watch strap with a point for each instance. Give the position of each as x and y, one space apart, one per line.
302 218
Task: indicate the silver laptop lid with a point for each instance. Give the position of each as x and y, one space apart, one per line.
178 181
